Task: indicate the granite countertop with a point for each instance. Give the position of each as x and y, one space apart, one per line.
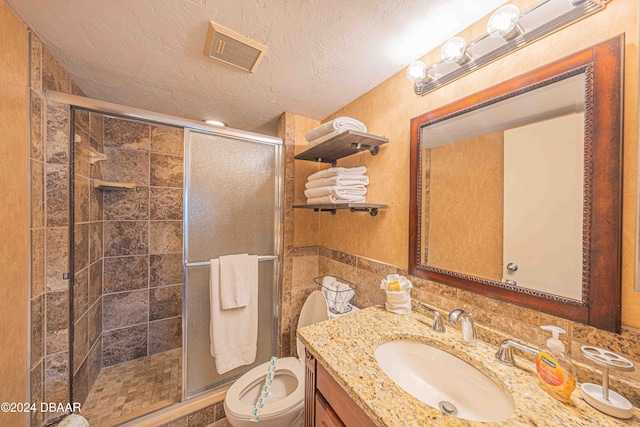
345 346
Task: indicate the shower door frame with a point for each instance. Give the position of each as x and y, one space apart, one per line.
127 112
277 244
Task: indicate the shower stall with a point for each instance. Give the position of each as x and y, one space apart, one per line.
153 199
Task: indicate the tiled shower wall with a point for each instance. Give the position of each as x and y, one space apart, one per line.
87 260
142 288
50 124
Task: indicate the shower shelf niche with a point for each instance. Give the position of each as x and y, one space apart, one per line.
342 145
353 207
108 185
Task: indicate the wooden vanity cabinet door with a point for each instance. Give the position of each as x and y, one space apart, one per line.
339 401
325 415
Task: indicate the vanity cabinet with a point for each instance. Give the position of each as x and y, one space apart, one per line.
326 404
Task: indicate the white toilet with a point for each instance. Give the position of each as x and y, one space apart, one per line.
285 404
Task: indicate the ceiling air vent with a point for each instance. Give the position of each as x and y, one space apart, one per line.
232 48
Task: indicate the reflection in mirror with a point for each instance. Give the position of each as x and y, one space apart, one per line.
516 190
504 185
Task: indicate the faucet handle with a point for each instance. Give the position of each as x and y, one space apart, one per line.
437 320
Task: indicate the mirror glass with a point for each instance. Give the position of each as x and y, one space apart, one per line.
515 191
504 189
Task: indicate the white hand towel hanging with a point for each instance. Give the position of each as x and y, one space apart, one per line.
233 332
235 280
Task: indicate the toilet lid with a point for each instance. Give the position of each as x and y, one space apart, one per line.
314 310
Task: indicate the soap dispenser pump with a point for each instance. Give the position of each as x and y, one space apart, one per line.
555 370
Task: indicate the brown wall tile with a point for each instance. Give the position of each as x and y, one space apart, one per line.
125 309
96 127
57 258
57 321
96 206
94 322
165 269
80 246
126 273
37 194
80 293
56 374
37 262
57 194
127 205
57 133
37 142
35 63
37 393
37 330
81 199
80 341
167 140
95 281
166 203
165 237
96 242
128 134
125 238
166 171
126 166
165 302
165 335
124 344
54 77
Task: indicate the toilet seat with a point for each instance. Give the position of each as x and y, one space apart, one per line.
290 407
292 365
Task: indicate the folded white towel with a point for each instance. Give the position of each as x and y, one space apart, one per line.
341 172
339 124
236 281
234 332
325 200
343 181
322 139
336 190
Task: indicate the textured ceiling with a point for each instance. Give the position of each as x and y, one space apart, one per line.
322 53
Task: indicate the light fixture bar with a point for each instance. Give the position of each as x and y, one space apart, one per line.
538 21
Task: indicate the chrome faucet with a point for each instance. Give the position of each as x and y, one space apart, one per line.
437 320
505 353
467 327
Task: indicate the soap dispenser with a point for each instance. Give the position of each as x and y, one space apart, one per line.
555 370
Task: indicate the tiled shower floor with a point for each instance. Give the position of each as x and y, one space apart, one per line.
133 388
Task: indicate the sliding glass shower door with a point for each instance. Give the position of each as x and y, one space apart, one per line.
232 205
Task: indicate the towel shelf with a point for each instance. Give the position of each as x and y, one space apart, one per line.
353 207
342 145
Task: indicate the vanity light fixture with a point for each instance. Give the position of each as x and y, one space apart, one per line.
508 29
215 123
504 23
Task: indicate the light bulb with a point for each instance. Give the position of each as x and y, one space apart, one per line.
416 71
504 22
454 50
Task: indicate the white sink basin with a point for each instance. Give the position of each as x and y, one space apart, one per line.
443 381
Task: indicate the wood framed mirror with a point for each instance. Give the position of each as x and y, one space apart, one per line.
516 190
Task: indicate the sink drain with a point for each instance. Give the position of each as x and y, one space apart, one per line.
448 408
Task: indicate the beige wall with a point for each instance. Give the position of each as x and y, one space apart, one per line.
387 109
14 213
